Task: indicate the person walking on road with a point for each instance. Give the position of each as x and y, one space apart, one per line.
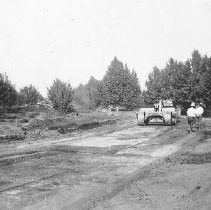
199 113
191 116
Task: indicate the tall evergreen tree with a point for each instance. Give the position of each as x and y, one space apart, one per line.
112 83
120 86
153 84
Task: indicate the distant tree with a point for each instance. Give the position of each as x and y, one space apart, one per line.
88 96
120 86
113 83
61 95
93 87
206 80
30 95
99 100
199 80
8 94
154 85
131 91
177 74
81 97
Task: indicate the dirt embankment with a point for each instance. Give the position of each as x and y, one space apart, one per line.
36 125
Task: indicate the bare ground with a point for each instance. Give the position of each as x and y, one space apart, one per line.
118 166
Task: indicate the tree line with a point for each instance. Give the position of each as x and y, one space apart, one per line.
9 96
119 87
182 82
60 94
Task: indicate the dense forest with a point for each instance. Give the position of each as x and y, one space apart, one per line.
182 82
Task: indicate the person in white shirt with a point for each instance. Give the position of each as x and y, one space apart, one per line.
199 113
191 115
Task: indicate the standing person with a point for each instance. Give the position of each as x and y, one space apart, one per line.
199 113
156 106
191 115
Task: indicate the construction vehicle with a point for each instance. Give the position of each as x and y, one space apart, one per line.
163 112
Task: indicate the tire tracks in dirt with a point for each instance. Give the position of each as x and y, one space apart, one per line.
111 190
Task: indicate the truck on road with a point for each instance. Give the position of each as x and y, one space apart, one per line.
163 112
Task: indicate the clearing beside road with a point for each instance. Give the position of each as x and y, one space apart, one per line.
111 166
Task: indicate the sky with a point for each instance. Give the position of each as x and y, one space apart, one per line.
41 40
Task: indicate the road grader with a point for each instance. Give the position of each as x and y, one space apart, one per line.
163 112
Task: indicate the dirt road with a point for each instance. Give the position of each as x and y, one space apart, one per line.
113 167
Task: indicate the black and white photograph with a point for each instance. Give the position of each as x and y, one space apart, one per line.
105 104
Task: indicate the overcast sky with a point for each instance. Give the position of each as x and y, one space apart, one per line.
41 40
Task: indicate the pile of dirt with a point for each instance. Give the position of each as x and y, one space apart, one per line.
37 124
64 126
34 124
17 158
42 120
87 126
11 137
70 127
9 131
64 123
